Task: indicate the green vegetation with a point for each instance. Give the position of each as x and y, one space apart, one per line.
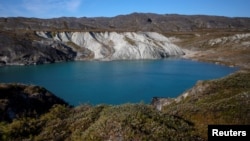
102 122
223 101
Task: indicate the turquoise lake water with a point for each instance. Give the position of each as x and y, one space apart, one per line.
115 82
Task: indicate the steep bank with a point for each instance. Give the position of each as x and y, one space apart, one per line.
47 47
23 48
113 45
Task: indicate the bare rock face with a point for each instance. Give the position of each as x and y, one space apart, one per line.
117 46
21 50
18 100
159 102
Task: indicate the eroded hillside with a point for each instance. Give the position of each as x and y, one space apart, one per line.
40 47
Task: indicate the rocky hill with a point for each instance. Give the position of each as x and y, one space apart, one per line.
18 101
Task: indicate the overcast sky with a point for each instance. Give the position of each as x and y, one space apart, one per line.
110 8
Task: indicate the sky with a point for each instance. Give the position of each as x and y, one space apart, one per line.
111 8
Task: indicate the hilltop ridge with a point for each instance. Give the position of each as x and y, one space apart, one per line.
130 22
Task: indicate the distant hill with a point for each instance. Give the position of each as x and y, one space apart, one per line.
131 22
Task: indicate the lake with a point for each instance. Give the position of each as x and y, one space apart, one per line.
115 82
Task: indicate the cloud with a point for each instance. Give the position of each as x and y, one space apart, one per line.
73 5
51 7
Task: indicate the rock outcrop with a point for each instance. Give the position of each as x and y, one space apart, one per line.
19 100
159 102
24 49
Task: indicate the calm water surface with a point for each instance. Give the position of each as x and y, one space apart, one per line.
115 82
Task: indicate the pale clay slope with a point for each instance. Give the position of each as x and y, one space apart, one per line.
235 38
113 45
